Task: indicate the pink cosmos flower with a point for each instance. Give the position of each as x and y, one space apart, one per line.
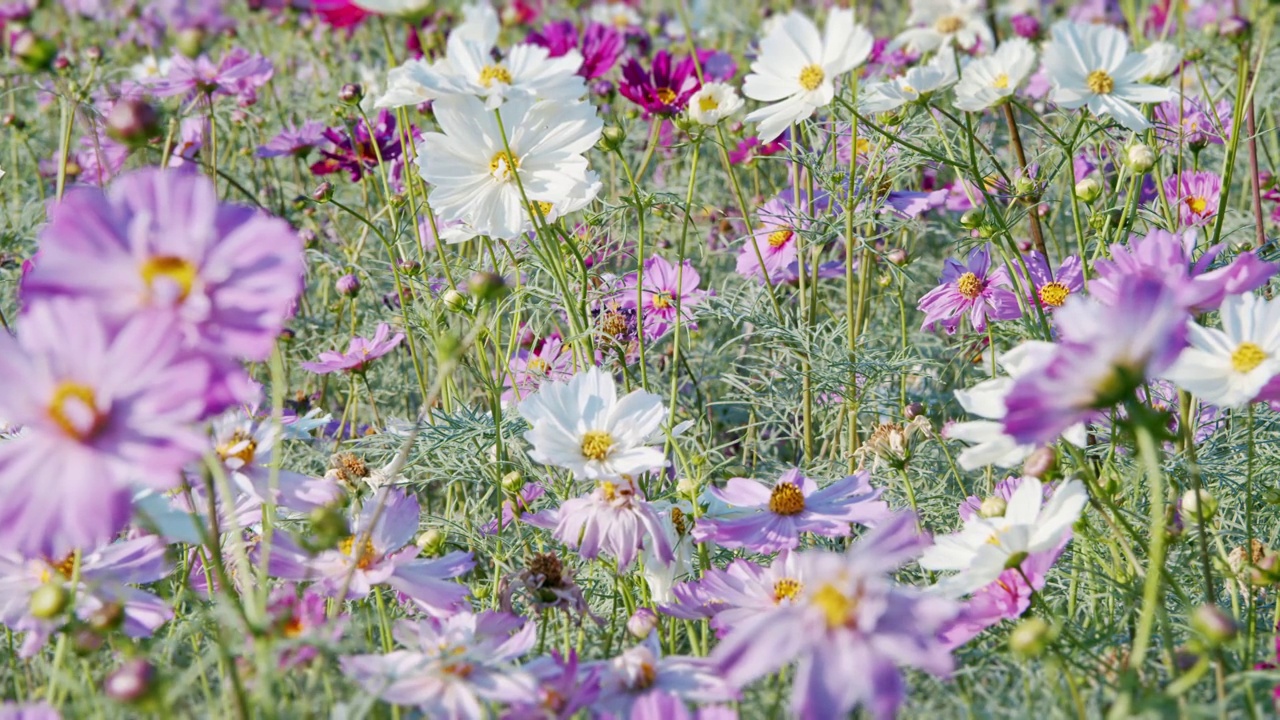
239 73
301 618
1196 196
359 355
664 286
528 369
971 289
793 505
1048 288
565 688
775 241
640 674
614 519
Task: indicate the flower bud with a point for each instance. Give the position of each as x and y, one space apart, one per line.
1025 26
34 53
432 542
993 507
1201 505
49 600
488 287
688 486
612 137
1031 637
972 219
1088 189
1024 186
351 93
1140 158
131 682
1040 463
1234 28
348 285
641 623
897 256
106 618
190 42
409 267
513 482
453 300
323 192
1214 625
133 121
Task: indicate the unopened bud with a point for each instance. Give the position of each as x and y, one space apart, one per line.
131 682
913 410
1140 158
993 507
1088 189
1040 463
106 618
34 53
1198 505
190 42
1214 625
897 256
1234 28
351 93
133 121
612 137
641 623
49 600
323 192
513 482
972 219
453 300
348 285
1031 637
488 287
432 542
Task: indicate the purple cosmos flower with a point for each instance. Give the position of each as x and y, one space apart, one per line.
1193 122
792 506
639 674
664 286
600 45
780 221
1167 257
1048 288
359 355
245 447
353 150
848 614
971 289
717 65
744 589
1196 196
565 688
294 141
614 519
106 574
159 243
380 551
300 617
664 91
452 666
1105 353
513 508
101 409
528 369
239 73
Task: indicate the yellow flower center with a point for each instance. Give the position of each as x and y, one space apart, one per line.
708 102
74 410
1246 357
666 95
174 269
645 678
544 207
241 445
502 165
811 77
1001 82
778 238
863 146
489 73
537 365
786 499
367 556
834 604
1054 294
293 628
610 490
786 589
948 24
1100 82
969 286
662 300
596 444
1197 205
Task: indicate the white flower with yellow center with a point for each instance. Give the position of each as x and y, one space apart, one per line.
935 23
1091 66
1229 367
797 67
918 82
581 425
990 80
987 546
714 102
474 180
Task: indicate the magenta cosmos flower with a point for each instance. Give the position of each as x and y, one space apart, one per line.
849 629
663 287
794 505
600 45
160 243
663 91
1048 288
774 243
101 409
360 353
971 289
1105 353
1196 196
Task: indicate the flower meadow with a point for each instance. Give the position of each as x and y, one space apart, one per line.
687 359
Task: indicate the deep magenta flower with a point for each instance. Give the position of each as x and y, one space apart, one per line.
972 289
663 287
600 45
360 353
101 409
528 369
353 149
776 516
1196 195
663 91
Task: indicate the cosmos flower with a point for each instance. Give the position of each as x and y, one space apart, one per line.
101 409
475 180
160 244
451 666
565 688
1090 66
1047 288
665 89
528 369
600 45
360 353
302 620
937 74
972 290
744 590
294 141
238 74
640 673
246 446
359 148
614 519
664 286
1196 195
990 80
581 425
1229 367
848 614
714 102
1193 122
777 516
797 68
774 242
1105 354
936 23
991 543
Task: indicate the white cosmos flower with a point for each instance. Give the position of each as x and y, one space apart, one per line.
474 180
934 23
797 68
989 445
581 425
394 7
617 15
1091 66
1229 367
937 74
989 80
713 102
480 23
986 546
1162 59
